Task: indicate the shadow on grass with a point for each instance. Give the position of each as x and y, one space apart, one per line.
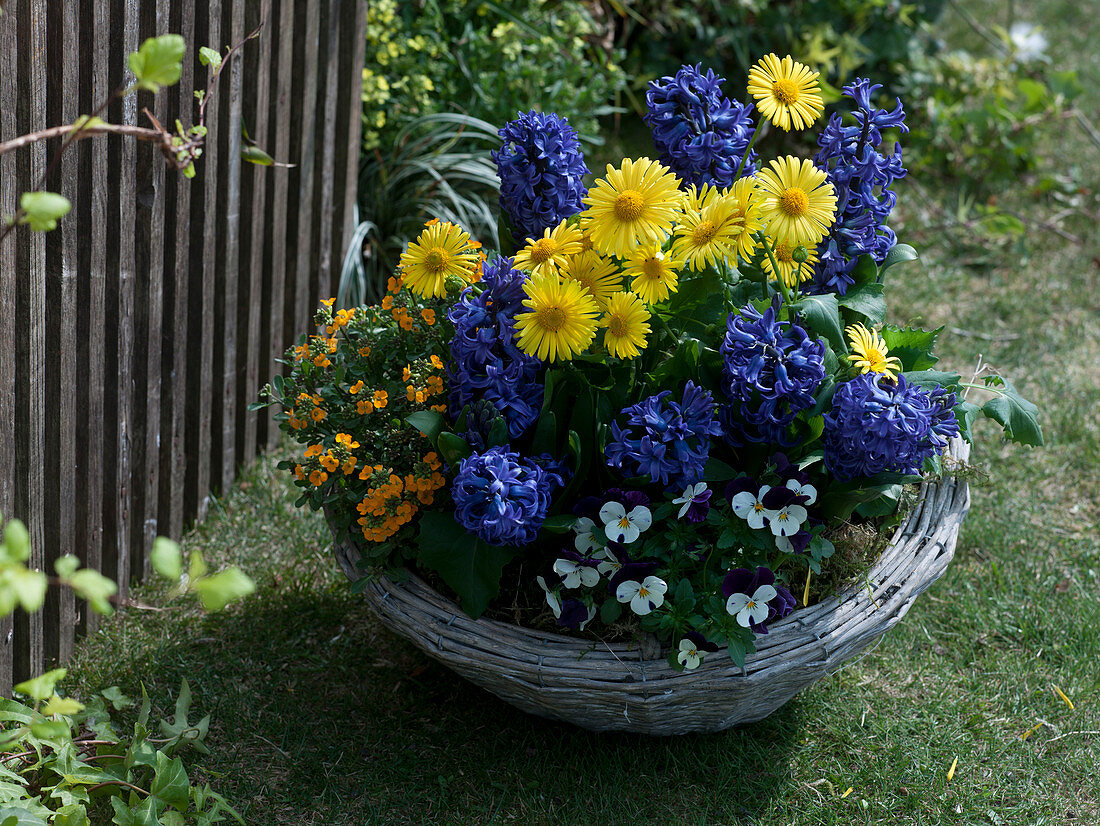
317 708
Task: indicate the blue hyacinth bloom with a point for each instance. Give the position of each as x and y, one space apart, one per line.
772 370
665 440
876 425
501 497
486 365
541 169
861 176
699 132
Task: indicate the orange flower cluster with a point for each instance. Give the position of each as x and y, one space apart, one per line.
341 319
393 501
318 349
317 463
308 409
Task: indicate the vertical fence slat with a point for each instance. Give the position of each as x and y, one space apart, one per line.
148 315
177 263
349 124
30 311
9 193
328 83
254 235
62 263
204 237
279 289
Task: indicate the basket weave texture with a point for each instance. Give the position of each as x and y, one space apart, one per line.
614 687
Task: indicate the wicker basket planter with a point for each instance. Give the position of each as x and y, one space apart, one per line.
618 688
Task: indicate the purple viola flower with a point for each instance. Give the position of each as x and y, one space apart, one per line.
742 484
541 169
862 177
501 497
699 132
694 502
575 614
665 440
755 599
876 425
772 370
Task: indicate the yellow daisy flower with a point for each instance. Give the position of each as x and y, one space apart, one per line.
562 321
442 249
705 236
627 323
695 198
634 204
788 268
746 198
797 202
599 275
654 273
547 254
787 93
869 352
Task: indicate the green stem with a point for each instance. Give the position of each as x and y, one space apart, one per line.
775 270
665 327
745 156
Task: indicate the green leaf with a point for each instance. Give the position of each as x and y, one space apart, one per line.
898 254
912 346
610 611
469 566
718 471
210 57
865 271
428 422
882 505
56 730
17 542
29 587
66 566
42 686
116 698
821 314
1018 416
94 587
546 434
170 782
931 379
965 414
867 300
453 448
87 122
72 815
498 433
43 210
166 559
62 705
218 590
158 62
18 816
255 155
559 524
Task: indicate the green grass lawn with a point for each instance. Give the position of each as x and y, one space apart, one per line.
320 716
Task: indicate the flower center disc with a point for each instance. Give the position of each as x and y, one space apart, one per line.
651 268
704 233
437 259
784 253
551 318
629 205
617 327
794 202
542 251
785 91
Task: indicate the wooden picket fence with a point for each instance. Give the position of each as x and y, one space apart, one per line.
133 337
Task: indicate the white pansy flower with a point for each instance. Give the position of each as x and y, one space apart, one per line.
552 599
643 596
688 496
689 655
584 541
608 565
624 527
574 574
786 521
751 508
751 610
807 490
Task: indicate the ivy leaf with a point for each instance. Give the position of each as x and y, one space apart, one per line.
822 315
72 815
170 782
210 57
912 346
166 559
468 565
62 705
965 414
867 300
18 816
218 590
94 587
1018 416
42 686
158 62
43 210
